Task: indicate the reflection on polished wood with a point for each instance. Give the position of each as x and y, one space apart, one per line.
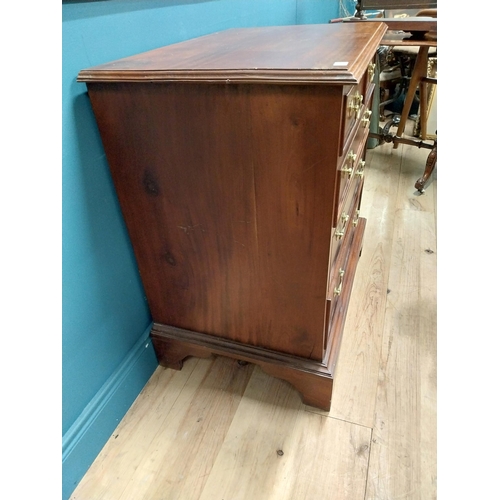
220 429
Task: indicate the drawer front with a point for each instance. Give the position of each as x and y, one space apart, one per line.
343 254
350 168
345 216
351 115
337 305
348 230
356 107
342 234
369 80
335 286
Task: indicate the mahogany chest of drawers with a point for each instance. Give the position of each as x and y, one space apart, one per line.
237 159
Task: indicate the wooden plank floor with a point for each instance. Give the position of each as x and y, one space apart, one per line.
218 430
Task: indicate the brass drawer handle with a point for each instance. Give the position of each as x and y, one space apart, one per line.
366 118
351 158
337 290
359 99
347 171
371 71
355 221
361 168
340 232
355 104
352 107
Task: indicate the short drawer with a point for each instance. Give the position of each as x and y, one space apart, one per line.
337 270
351 166
351 114
356 107
369 80
341 224
345 210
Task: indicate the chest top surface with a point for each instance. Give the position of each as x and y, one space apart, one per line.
319 53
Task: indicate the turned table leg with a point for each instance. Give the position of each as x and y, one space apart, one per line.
429 168
419 72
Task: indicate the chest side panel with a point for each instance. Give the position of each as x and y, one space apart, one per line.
227 192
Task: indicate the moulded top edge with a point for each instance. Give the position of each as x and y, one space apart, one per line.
227 77
321 53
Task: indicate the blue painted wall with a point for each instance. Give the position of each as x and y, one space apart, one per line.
106 319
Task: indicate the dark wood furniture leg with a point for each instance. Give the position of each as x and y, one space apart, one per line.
418 74
429 168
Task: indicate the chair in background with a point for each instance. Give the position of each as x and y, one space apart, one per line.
419 78
419 32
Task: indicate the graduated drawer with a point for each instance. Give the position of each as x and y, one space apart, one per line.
350 167
352 108
343 262
337 303
342 233
356 106
369 81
